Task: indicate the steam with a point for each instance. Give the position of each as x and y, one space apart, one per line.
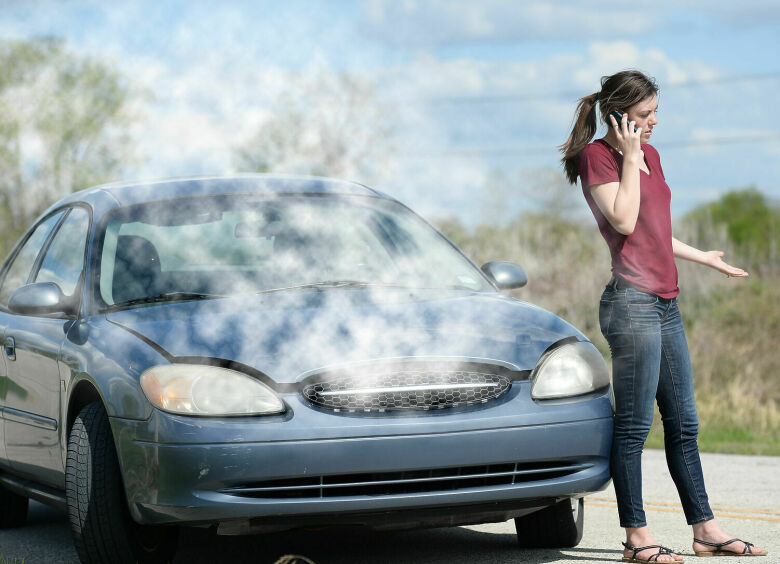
393 288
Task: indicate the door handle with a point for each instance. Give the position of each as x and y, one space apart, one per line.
10 348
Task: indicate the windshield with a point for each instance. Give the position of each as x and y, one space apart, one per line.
216 246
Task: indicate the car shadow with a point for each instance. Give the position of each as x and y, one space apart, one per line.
47 533
455 545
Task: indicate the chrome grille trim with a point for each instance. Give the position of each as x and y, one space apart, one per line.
415 481
406 386
397 389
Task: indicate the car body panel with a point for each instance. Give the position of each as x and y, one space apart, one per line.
139 192
31 406
338 326
3 387
170 478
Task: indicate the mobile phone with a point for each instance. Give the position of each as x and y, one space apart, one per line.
618 117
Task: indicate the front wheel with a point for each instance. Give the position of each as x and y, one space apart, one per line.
100 521
557 526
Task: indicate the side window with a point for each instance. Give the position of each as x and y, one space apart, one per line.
19 271
64 260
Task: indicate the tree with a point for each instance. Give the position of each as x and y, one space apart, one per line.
63 126
749 222
325 123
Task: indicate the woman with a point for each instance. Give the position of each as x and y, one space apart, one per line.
624 185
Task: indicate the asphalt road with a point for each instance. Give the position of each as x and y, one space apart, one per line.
744 492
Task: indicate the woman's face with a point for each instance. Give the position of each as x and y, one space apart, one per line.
644 114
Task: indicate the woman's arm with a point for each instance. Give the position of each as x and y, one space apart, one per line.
713 259
619 201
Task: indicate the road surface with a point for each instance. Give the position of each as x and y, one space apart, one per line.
744 492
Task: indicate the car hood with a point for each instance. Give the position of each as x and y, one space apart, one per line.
288 335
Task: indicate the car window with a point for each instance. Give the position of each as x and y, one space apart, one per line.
237 244
64 260
19 271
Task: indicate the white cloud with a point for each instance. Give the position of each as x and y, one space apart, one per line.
437 22
446 22
215 74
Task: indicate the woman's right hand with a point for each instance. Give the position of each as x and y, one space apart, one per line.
628 140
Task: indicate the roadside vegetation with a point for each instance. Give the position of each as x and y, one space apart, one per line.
732 325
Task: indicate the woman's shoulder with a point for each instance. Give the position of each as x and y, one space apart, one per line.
598 146
598 150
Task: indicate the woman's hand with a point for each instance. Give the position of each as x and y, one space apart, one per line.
627 140
714 259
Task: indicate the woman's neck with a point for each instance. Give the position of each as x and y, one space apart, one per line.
611 139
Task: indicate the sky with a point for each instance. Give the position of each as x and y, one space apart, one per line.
477 95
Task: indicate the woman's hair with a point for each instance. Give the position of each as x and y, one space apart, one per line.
618 92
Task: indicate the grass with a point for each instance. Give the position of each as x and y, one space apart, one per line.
4 560
728 440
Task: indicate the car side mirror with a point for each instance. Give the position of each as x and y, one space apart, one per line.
39 299
506 275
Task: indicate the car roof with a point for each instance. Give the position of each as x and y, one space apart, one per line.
138 192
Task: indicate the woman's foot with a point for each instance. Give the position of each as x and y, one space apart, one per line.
639 537
710 531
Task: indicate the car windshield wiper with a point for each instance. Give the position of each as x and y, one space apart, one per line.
329 284
167 297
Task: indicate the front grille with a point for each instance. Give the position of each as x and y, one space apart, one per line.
407 482
407 386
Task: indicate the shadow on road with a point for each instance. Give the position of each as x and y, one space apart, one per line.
47 534
452 545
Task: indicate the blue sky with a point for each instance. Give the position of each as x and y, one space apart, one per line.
475 91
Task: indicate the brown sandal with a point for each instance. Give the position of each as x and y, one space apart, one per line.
747 551
662 550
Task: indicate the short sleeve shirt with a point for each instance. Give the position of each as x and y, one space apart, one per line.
645 258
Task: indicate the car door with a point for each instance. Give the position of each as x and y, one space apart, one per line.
32 346
15 274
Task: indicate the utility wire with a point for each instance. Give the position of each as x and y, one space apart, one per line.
471 152
572 94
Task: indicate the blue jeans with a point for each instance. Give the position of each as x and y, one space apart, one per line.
650 360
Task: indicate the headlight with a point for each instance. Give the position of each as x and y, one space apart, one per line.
569 370
193 389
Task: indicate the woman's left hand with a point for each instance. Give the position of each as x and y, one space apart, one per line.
715 260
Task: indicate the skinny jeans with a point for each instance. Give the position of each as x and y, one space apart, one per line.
650 360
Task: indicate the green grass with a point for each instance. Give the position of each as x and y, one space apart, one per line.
726 440
4 560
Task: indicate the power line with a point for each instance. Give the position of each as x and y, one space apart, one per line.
572 94
472 152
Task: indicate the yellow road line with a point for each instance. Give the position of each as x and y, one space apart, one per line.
672 510
718 507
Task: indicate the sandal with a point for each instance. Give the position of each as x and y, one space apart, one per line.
653 557
747 551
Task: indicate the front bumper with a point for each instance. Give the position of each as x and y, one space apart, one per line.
386 469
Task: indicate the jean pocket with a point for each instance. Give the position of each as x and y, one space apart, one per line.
636 297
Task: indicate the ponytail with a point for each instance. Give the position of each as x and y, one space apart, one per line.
582 133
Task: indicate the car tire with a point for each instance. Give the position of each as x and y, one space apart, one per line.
13 509
557 526
100 521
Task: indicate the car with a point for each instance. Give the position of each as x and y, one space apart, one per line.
256 353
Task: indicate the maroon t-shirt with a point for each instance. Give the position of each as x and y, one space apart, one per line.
645 258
